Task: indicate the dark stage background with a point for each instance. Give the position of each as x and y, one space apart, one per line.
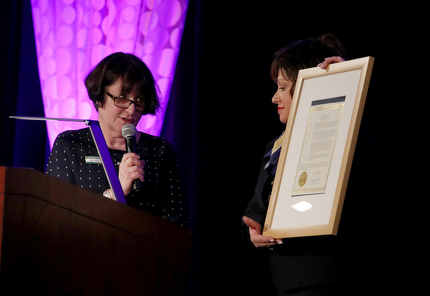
220 117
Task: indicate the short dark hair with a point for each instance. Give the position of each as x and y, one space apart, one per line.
134 75
304 54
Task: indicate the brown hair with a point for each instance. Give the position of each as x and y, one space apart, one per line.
304 54
134 75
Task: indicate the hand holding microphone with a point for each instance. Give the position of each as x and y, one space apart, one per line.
131 168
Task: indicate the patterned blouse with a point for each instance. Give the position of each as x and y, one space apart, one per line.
74 159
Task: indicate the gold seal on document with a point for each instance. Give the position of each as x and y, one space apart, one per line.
302 179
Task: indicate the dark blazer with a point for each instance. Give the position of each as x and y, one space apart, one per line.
299 262
73 160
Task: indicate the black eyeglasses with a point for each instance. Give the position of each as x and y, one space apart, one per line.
124 103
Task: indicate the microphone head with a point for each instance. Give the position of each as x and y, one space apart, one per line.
128 130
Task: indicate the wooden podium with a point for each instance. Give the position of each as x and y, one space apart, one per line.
59 239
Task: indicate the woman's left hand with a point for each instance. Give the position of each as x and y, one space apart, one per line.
328 61
130 169
259 240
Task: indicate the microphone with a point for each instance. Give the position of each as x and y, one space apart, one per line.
129 131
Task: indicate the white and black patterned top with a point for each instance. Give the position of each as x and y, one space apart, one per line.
160 193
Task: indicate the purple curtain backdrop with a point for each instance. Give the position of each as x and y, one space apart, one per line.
72 36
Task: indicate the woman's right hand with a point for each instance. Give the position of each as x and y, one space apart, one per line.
331 60
259 240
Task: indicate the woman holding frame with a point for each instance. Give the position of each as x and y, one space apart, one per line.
307 265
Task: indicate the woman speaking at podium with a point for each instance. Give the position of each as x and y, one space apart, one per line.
122 89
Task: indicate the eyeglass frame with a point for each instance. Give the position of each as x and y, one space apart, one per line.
137 107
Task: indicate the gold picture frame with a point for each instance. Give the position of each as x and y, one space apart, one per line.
317 151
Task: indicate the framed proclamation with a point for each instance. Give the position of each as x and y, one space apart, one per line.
317 150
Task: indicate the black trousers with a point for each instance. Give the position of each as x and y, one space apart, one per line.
317 290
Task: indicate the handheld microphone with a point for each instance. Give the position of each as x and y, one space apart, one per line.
129 131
